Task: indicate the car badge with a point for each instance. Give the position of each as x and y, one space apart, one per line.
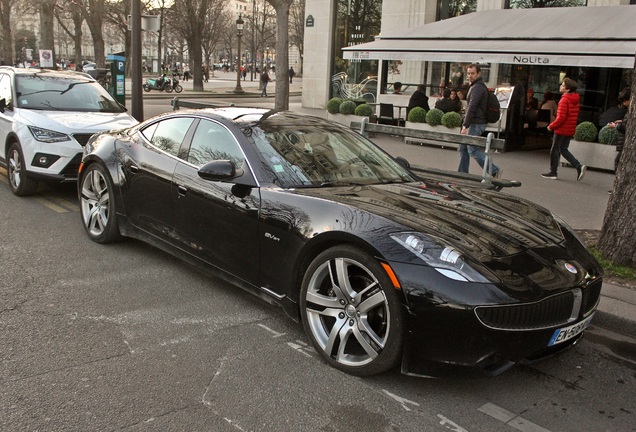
571 268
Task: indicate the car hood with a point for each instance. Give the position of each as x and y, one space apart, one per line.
73 121
476 220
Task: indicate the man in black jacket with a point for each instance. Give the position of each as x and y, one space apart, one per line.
475 121
418 99
445 104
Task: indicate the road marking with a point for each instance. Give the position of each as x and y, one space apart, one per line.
275 333
450 424
50 204
401 400
511 419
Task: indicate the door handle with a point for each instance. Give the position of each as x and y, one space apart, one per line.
182 190
134 169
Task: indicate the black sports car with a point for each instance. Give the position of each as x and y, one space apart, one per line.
380 264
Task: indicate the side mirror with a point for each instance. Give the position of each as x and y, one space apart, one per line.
3 105
403 162
218 170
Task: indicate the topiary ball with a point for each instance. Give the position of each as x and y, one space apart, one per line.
451 120
608 135
434 117
586 131
347 107
364 110
333 105
417 115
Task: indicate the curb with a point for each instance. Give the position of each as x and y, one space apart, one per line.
617 310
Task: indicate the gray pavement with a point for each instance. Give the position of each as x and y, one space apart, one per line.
581 204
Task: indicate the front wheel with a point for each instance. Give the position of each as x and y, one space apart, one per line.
147 87
178 88
351 312
21 184
97 205
167 88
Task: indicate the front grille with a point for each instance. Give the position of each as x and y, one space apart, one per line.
550 312
591 295
82 139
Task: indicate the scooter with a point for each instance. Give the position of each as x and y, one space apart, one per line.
175 84
162 84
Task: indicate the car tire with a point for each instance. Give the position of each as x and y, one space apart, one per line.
351 312
21 184
178 88
97 205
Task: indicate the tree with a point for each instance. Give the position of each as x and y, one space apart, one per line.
76 32
297 27
7 52
47 17
281 101
617 242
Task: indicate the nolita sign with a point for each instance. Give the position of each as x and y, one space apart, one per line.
531 60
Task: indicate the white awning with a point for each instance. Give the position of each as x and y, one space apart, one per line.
603 36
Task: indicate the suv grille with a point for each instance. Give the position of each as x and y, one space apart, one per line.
82 139
553 311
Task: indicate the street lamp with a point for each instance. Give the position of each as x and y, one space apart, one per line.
239 32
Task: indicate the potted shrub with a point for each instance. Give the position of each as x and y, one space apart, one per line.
608 135
586 132
417 115
364 110
333 105
452 120
434 117
347 107
591 153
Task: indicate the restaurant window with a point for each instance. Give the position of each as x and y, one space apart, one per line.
533 4
357 22
453 8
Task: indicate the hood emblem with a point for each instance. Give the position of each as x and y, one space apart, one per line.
571 268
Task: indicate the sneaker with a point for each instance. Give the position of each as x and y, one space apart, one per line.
581 172
551 176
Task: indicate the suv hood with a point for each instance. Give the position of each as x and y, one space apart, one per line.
75 121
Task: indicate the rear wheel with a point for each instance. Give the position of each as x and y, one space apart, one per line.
21 184
351 312
167 87
97 205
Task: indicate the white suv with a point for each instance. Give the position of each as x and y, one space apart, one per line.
46 117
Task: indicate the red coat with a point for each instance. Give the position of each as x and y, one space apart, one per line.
567 115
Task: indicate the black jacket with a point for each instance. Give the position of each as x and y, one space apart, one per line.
418 99
445 105
477 103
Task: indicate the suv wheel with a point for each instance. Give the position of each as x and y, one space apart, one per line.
20 183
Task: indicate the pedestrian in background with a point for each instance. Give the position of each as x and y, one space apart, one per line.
475 121
264 80
564 127
292 74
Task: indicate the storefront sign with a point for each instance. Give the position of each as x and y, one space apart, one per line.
310 21
531 59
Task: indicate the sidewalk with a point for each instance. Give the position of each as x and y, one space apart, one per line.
581 204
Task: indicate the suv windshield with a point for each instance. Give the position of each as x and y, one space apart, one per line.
301 151
63 93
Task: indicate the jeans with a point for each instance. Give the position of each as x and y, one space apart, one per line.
264 89
559 147
466 151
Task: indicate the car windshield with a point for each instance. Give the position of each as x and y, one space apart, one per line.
63 93
303 151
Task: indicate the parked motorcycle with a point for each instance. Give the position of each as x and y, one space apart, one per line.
162 84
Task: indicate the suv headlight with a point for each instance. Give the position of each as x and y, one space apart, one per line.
48 136
445 259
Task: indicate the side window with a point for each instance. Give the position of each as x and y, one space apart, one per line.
5 88
168 134
211 141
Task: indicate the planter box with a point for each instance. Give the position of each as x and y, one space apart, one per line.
427 127
344 119
594 155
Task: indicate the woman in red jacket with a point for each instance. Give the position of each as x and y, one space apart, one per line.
564 126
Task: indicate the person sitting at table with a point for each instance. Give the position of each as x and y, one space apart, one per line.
418 99
445 104
397 88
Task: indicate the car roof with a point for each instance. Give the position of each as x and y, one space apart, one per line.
47 72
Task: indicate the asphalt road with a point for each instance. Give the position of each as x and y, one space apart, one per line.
125 337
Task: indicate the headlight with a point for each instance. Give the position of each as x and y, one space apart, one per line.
49 136
445 259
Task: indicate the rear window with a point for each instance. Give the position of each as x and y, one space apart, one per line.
60 93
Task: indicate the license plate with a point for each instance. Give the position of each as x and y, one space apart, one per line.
566 333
